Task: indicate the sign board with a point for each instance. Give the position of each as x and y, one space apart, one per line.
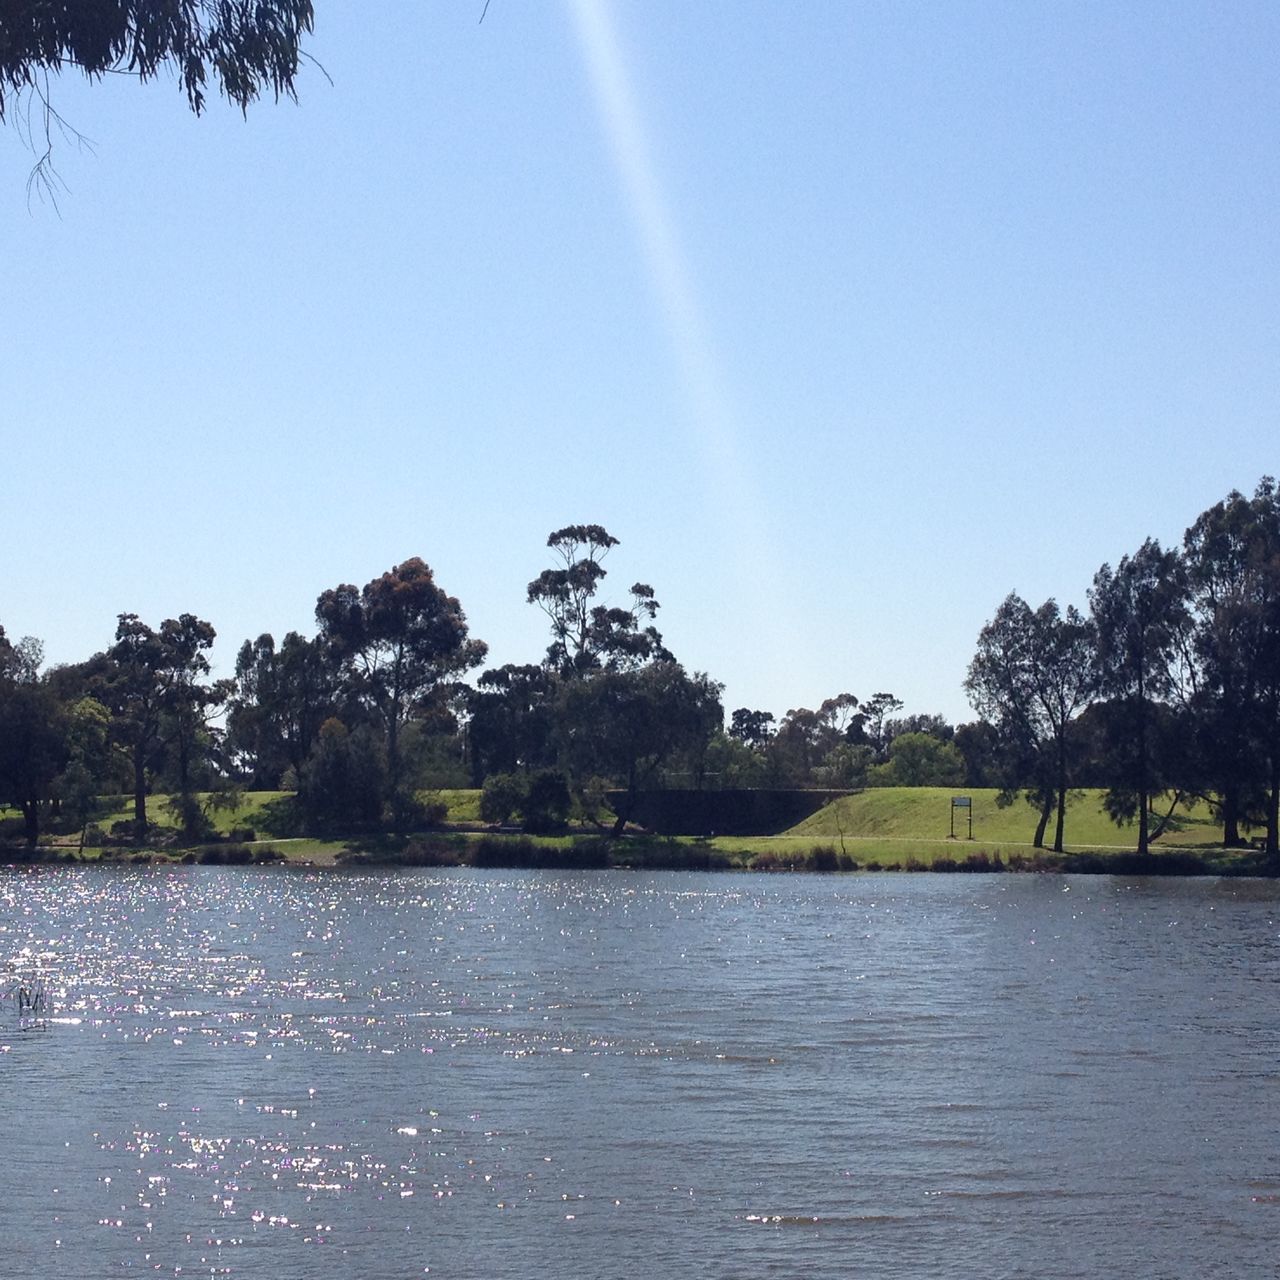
961 802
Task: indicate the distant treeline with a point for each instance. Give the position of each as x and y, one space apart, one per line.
1170 685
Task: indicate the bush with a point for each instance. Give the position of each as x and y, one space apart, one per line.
408 812
242 835
546 803
502 795
429 853
517 851
591 801
824 858
231 854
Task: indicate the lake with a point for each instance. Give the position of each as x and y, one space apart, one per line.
290 1073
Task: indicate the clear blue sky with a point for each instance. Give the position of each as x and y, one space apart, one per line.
846 318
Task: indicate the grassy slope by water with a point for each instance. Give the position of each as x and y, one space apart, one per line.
891 826
924 813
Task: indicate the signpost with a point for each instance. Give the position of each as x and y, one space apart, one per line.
965 803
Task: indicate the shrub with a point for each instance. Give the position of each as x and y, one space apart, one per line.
591 801
824 858
546 803
429 853
242 835
502 795
236 854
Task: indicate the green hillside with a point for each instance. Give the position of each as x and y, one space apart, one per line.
924 813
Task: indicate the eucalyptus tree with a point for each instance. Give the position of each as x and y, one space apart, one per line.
158 698
53 748
32 733
283 694
751 728
1033 672
245 49
586 636
399 642
1232 554
1141 619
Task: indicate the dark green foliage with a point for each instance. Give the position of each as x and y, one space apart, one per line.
1142 623
282 698
246 48
752 728
159 703
429 853
588 637
919 760
508 851
1033 673
226 854
501 797
344 779
33 749
824 858
627 724
397 642
513 722
546 803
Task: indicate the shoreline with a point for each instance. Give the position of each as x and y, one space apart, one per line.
446 849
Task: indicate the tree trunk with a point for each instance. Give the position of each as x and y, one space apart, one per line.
1062 796
31 820
1231 816
1168 817
1046 808
1273 818
629 804
140 792
1144 798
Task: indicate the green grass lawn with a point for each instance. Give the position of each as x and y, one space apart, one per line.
924 814
889 827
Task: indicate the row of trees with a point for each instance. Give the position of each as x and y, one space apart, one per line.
1170 683
359 716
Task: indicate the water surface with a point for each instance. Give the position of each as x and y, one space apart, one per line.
272 1072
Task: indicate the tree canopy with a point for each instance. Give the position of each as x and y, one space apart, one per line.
246 49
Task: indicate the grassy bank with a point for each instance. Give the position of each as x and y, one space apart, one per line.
924 813
889 829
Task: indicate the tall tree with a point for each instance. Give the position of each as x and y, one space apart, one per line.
1140 615
283 695
158 699
751 728
400 640
586 636
1033 672
33 740
1232 555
